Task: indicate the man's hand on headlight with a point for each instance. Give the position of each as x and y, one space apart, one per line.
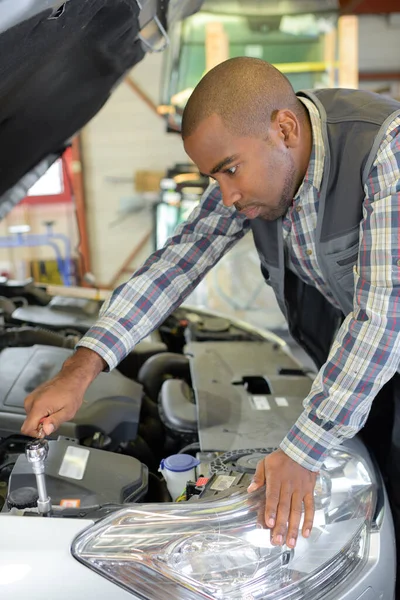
288 486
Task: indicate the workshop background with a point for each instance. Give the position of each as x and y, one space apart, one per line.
126 181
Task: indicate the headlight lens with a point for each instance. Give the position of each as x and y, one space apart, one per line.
220 550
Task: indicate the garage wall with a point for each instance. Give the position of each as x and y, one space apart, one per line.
124 137
376 55
379 42
15 261
127 136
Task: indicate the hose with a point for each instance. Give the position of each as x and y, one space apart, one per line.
15 440
29 336
158 491
195 447
7 306
155 370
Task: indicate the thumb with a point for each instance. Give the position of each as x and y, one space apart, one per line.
53 422
258 478
47 426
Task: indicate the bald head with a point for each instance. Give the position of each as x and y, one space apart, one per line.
245 92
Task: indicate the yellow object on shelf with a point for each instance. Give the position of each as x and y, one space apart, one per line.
46 271
305 67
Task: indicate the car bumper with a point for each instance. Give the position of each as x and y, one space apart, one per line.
36 562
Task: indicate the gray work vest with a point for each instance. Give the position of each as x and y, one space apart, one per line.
353 123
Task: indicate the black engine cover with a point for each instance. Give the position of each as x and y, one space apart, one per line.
80 477
60 313
111 405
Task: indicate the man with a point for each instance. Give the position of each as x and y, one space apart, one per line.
316 177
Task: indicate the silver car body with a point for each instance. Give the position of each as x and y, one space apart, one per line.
36 560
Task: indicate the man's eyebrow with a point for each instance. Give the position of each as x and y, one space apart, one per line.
224 163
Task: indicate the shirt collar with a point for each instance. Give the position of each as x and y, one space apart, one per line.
315 169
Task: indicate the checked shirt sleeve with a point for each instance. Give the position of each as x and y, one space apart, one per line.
366 351
168 276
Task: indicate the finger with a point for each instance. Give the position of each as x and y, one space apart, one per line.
309 513
282 517
31 423
28 403
272 493
296 511
53 422
258 478
37 416
261 519
261 511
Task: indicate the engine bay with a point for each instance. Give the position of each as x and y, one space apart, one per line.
202 386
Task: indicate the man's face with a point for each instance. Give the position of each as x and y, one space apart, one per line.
256 174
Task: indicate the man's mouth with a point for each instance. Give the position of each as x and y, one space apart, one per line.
251 212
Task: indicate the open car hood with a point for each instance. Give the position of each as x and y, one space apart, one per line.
59 61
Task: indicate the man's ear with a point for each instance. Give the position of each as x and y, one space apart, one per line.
289 127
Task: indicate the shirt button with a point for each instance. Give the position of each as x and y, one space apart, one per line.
298 208
309 252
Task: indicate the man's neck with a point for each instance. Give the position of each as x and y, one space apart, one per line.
304 149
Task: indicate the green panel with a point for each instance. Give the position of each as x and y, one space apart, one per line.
287 39
193 64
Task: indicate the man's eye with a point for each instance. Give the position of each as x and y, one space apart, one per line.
231 170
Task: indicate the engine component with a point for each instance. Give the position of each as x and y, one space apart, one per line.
178 410
241 394
158 368
210 328
134 361
227 473
7 307
53 318
25 497
34 294
242 461
80 477
60 313
223 485
75 306
177 470
29 336
111 405
12 444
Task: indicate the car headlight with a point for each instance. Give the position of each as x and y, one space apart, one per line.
220 549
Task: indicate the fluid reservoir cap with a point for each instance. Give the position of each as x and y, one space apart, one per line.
25 497
248 463
179 463
215 324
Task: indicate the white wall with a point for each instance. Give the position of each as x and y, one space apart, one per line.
124 137
379 43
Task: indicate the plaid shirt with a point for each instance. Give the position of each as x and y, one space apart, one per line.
300 222
366 351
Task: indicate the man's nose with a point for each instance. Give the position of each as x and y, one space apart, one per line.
230 194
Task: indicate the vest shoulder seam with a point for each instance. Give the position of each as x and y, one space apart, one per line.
355 119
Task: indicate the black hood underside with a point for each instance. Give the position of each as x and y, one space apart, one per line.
56 73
